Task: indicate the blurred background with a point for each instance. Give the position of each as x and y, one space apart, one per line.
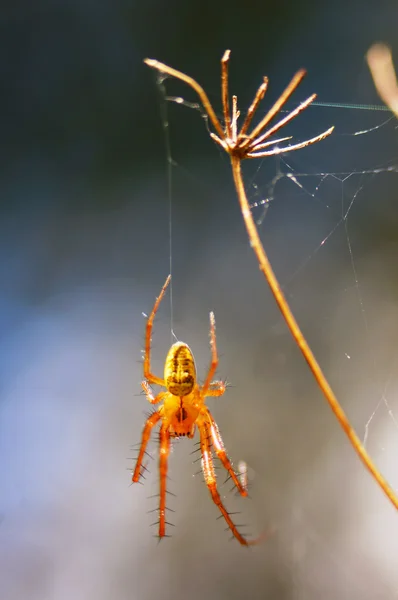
85 249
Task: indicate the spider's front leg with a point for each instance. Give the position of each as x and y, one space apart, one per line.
148 375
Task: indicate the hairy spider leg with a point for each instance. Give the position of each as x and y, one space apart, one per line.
219 449
211 481
217 388
164 451
150 377
146 434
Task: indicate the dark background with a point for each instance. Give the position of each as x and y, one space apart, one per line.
84 250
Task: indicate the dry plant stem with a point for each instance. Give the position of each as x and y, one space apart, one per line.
242 145
291 322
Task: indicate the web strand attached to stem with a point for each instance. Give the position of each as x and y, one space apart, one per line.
169 159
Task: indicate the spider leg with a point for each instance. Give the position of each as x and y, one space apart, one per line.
211 482
148 338
214 357
221 453
149 393
164 451
146 434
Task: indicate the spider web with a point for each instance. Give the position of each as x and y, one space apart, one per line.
344 197
340 194
327 215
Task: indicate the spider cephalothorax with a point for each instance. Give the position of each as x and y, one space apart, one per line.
183 410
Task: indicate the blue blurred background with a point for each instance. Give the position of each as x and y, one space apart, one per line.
84 250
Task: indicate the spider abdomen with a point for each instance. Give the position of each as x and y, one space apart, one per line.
180 370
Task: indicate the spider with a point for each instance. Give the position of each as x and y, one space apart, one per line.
183 410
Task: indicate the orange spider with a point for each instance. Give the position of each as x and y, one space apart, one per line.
183 409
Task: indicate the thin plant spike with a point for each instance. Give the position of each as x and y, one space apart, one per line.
285 120
284 97
190 81
225 92
291 148
254 105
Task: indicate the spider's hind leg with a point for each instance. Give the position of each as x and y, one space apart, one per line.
219 449
146 434
164 451
211 482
